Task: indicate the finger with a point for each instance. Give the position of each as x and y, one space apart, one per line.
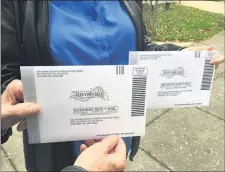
218 60
83 147
210 48
120 149
117 159
89 142
112 151
98 140
23 110
201 48
14 92
22 126
17 89
110 142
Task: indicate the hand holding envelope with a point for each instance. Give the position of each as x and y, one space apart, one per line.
88 106
168 79
178 78
215 61
107 155
13 111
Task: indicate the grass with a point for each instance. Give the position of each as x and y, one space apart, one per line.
185 24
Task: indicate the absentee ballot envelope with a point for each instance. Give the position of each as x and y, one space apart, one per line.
85 102
177 78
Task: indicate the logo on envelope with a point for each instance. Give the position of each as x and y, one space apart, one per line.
170 73
86 95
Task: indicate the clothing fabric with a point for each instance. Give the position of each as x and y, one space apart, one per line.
73 168
90 32
25 42
104 36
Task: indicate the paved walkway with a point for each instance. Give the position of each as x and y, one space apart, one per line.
184 139
215 7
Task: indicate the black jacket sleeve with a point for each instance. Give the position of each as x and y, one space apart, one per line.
9 50
151 46
10 62
6 135
73 168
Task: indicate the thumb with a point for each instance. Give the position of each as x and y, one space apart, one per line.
219 59
23 110
109 143
119 150
117 159
13 93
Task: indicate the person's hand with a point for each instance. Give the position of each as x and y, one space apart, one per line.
106 155
89 143
216 61
12 108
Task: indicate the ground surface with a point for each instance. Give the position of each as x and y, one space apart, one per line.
185 23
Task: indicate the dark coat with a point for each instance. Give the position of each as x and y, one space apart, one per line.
25 42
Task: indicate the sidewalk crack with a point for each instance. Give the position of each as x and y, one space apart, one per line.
210 113
156 159
219 75
10 161
157 117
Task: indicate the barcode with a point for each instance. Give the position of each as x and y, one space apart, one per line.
138 96
120 70
207 75
197 54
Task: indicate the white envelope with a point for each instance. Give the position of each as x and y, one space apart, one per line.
85 102
177 78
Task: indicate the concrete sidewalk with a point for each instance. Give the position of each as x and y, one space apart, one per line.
184 139
211 6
